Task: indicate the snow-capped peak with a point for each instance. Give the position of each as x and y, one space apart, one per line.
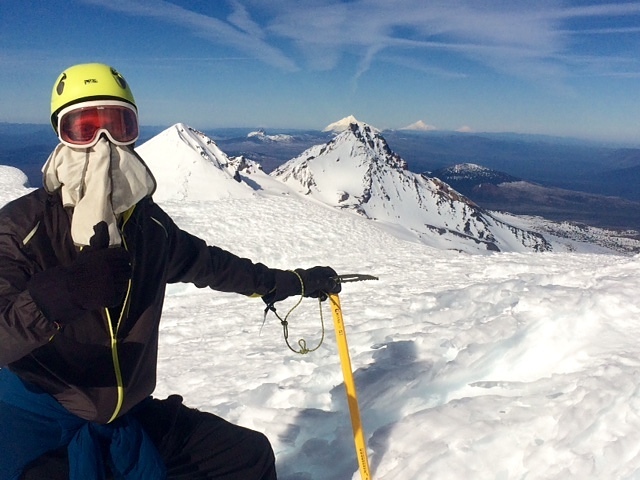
358 171
257 133
419 126
343 124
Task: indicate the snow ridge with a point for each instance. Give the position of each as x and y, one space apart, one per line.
189 165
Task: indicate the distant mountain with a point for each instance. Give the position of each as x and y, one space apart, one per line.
465 176
419 126
270 150
261 136
358 171
495 190
343 124
355 171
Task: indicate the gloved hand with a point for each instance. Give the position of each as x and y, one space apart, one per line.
317 282
97 278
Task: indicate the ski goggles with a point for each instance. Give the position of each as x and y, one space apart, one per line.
82 124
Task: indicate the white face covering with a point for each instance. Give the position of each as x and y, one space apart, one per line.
100 183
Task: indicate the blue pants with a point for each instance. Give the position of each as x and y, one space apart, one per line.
34 423
193 445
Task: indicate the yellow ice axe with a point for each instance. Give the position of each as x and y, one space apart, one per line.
349 384
345 362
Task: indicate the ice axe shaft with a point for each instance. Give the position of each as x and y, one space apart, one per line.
352 398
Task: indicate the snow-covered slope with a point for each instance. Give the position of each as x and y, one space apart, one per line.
505 366
358 171
188 164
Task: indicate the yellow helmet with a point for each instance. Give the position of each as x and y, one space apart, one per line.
88 81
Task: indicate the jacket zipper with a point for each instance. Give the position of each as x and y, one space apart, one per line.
113 332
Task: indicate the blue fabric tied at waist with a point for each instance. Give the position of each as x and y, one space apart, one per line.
40 424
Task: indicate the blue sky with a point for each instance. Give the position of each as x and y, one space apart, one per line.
569 68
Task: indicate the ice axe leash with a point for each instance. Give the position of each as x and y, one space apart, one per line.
302 343
345 362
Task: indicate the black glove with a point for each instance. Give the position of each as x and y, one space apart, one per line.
318 283
97 278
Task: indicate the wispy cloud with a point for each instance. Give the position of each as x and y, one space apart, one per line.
604 31
495 30
598 10
518 37
238 31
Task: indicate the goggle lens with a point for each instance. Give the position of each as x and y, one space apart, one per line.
83 125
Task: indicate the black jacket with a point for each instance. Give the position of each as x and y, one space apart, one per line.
101 365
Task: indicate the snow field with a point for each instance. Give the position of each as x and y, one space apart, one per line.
501 366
